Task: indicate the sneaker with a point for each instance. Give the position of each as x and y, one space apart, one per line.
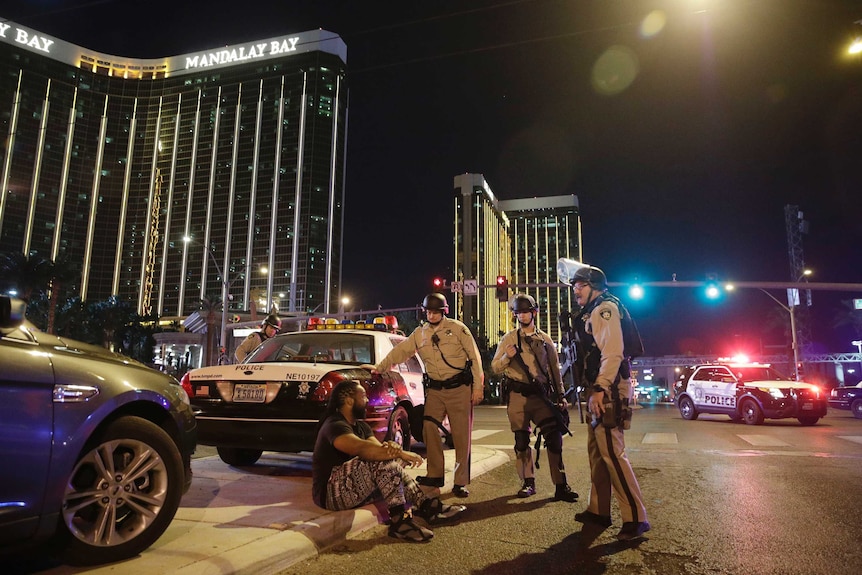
528 489
594 518
406 529
565 493
460 491
632 530
430 481
433 510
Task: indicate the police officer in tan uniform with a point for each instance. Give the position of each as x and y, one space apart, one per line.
270 326
454 383
533 395
606 373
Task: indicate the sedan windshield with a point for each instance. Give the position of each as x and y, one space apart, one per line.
316 347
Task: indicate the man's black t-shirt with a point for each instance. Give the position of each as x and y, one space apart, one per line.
326 456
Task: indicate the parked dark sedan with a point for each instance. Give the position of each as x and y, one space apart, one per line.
96 448
848 398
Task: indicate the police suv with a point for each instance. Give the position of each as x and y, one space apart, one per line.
274 399
747 392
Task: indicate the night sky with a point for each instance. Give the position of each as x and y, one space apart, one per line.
683 126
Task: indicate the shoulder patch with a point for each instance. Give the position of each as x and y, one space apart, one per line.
606 314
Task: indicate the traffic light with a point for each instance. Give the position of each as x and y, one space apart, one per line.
502 288
439 284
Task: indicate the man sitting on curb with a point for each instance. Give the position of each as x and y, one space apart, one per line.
351 468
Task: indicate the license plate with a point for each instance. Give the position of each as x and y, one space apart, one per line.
808 405
249 392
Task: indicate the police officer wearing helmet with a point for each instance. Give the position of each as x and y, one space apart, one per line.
270 326
529 392
606 373
454 383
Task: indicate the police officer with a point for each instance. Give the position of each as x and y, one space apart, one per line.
454 383
607 376
533 393
270 326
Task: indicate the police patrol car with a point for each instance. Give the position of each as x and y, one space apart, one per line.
747 392
274 399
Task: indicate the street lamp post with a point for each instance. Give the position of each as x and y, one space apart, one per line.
790 308
225 293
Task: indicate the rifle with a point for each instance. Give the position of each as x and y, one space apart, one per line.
567 368
560 415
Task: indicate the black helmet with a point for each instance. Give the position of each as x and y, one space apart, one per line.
523 302
272 320
593 276
572 271
435 302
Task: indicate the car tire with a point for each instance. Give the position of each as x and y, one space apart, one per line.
122 494
399 428
239 457
808 420
687 409
750 412
856 408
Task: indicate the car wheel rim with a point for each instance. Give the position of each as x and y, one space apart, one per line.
115 492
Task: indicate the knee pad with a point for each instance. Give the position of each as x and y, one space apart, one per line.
522 440
553 441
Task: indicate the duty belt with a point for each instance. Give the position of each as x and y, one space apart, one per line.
463 378
525 389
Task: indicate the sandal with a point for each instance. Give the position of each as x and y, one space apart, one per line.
407 530
435 510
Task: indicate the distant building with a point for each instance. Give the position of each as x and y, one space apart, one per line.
521 239
543 230
111 161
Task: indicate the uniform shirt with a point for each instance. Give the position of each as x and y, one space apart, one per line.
326 456
602 322
455 343
253 340
539 354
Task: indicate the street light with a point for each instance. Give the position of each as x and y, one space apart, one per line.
224 292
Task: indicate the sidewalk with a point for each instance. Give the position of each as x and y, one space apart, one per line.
258 520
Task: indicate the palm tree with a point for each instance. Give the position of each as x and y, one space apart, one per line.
849 316
211 304
61 272
26 273
111 315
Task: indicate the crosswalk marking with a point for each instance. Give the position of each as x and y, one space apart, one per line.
480 433
660 438
763 441
853 438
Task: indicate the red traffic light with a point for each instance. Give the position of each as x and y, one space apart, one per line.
439 284
502 288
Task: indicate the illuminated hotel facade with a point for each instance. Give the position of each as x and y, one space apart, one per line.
110 162
521 239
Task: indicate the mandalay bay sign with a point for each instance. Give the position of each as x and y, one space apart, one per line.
242 53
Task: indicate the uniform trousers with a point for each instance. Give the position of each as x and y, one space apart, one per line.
523 409
457 404
610 470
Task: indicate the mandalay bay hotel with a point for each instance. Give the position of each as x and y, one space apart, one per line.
162 181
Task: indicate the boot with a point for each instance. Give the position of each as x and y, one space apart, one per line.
565 493
528 489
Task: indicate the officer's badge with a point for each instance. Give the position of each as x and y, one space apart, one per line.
606 314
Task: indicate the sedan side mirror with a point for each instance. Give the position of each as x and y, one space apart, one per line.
11 312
